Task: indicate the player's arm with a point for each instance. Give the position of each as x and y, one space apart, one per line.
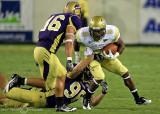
116 40
35 82
79 67
70 30
96 100
121 46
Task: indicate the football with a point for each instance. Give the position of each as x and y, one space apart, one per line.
112 47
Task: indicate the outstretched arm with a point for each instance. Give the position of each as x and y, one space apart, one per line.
79 67
96 100
69 47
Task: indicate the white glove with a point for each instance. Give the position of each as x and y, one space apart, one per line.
77 57
110 56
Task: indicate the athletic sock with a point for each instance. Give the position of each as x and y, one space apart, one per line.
135 94
22 81
59 101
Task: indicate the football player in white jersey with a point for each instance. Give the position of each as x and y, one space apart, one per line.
95 38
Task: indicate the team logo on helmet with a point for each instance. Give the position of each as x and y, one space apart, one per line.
77 6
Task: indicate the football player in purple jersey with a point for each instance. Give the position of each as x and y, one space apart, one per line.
75 87
57 28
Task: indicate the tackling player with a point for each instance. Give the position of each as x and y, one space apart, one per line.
36 97
95 38
58 27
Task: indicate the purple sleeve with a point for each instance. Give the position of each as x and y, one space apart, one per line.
76 22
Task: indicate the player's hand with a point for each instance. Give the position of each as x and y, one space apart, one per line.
110 56
104 86
98 57
69 66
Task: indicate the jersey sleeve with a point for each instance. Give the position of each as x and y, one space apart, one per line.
75 22
78 36
117 35
88 51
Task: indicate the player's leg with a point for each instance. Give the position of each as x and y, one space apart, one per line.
56 79
35 82
41 56
115 66
51 69
10 103
96 71
13 103
34 97
3 81
130 84
17 81
2 98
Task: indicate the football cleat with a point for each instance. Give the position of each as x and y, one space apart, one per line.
142 101
15 81
86 104
65 108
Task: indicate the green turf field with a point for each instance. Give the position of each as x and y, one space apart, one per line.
143 64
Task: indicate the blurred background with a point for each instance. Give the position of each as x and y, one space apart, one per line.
138 20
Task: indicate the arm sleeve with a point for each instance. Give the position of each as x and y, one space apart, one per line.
117 35
75 22
88 51
78 36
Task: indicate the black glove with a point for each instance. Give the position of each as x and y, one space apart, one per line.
69 66
98 57
104 86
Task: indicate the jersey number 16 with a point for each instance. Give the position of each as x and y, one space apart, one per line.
49 25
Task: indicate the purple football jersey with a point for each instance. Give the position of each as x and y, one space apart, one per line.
74 89
53 33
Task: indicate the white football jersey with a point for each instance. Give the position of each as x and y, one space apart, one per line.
83 36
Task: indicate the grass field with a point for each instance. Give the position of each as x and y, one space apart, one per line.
143 64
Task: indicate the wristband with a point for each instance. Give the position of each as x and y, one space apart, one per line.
69 58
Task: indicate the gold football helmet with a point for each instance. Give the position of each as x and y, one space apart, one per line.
97 27
73 7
